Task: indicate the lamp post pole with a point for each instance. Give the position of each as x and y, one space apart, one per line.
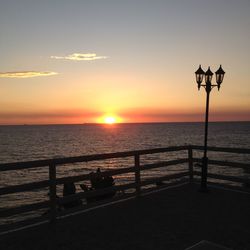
205 159
208 87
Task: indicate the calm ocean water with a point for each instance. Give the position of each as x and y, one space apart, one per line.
24 143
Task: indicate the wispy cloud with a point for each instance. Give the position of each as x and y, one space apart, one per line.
26 74
80 57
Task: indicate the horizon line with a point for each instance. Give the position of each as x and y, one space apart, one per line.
114 124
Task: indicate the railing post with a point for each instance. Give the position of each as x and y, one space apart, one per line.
190 164
52 192
137 175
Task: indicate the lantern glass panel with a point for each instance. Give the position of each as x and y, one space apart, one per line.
199 78
219 78
208 78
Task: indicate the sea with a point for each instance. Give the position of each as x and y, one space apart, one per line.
36 142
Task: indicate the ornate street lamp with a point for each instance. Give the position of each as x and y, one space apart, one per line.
208 86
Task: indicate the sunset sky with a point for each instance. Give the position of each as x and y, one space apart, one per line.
80 61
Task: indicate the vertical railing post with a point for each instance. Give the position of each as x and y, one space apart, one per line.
190 164
137 175
52 191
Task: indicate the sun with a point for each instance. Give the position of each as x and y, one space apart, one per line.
110 120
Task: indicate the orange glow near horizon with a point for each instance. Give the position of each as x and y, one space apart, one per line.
139 115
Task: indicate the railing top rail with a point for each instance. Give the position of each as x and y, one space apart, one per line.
223 149
85 158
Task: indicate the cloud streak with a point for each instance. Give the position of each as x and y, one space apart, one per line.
26 74
80 57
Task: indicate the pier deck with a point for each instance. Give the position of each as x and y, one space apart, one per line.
175 218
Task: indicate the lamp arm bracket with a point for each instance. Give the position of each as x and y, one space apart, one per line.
212 85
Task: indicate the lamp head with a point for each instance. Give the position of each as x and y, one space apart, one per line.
219 76
199 73
208 76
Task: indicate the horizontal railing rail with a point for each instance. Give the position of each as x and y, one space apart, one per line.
223 149
85 158
136 170
224 177
24 187
42 184
23 208
245 166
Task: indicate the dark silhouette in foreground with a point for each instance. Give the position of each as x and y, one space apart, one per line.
70 189
99 182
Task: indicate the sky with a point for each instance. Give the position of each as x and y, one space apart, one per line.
82 61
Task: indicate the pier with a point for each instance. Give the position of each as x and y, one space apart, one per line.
172 215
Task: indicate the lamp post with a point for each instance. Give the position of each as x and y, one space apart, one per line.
208 86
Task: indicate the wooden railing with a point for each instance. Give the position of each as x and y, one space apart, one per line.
137 169
245 166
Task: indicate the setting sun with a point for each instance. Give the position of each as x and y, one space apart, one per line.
109 120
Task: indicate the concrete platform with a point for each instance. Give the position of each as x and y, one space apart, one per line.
176 218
